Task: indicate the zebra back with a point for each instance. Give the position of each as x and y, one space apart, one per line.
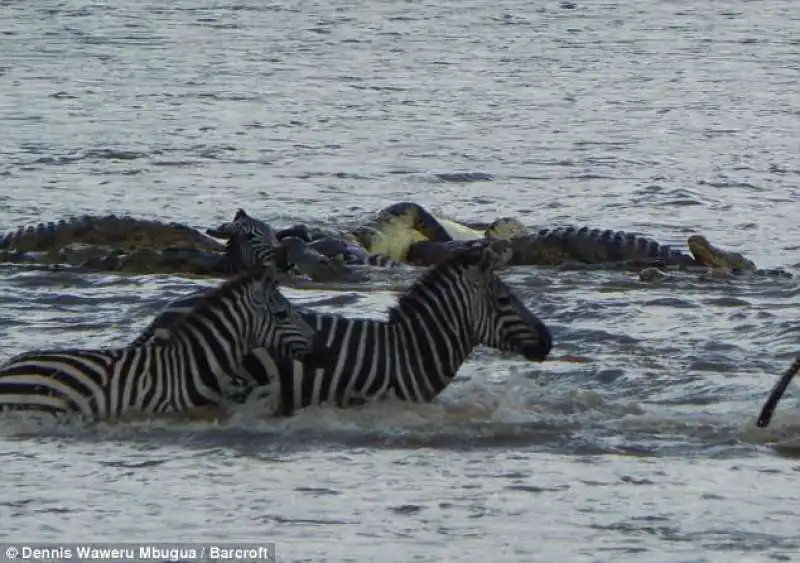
166 318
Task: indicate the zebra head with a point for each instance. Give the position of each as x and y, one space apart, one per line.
500 319
282 328
244 224
249 252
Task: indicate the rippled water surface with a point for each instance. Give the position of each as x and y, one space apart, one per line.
635 442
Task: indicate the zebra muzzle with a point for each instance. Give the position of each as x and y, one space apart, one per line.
539 350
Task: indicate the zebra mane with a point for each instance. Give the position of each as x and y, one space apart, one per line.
227 288
470 256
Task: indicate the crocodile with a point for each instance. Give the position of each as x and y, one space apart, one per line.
719 259
587 246
114 243
403 231
409 233
396 227
91 258
717 262
381 241
123 232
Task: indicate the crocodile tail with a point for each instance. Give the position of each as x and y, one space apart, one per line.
773 273
7 240
606 245
585 244
624 246
35 237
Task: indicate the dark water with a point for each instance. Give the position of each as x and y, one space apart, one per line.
634 443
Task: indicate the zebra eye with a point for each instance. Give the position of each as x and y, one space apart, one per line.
504 300
281 315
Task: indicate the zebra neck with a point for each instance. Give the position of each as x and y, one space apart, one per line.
434 340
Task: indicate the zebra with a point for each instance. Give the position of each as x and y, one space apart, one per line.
244 224
191 367
253 243
245 252
765 416
415 354
250 244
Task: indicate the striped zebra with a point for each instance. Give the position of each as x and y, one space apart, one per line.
246 252
194 366
415 354
244 224
250 244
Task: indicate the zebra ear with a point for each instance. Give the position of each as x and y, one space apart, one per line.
495 255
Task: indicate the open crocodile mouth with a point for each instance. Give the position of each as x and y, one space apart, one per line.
709 255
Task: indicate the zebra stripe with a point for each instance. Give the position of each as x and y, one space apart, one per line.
445 314
244 224
244 253
251 244
190 367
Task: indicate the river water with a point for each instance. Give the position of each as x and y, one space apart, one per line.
634 442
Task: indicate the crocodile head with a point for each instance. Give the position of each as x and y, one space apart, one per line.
709 255
506 228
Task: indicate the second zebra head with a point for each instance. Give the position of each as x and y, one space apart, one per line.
280 325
